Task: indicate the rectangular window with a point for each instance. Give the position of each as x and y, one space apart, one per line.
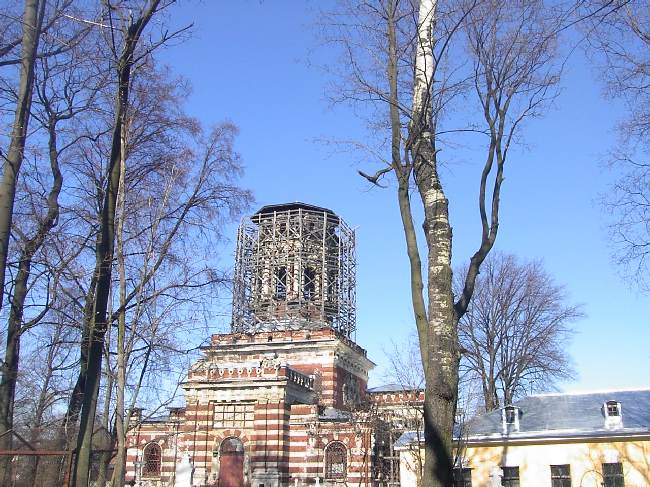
234 414
281 283
612 409
510 477
462 477
613 475
560 476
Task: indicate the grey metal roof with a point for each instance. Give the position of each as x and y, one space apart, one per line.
292 206
567 414
392 388
334 414
409 437
559 415
156 419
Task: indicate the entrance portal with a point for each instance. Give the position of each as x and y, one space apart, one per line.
231 463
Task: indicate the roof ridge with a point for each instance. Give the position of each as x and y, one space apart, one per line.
586 393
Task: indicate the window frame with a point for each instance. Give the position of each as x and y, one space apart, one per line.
462 477
309 284
333 448
560 478
613 409
510 413
613 478
146 471
233 414
280 276
510 476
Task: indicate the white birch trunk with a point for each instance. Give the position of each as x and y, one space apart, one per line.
440 351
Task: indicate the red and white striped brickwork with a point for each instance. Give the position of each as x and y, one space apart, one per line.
310 437
324 353
293 378
165 434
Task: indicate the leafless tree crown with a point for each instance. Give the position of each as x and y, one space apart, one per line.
514 337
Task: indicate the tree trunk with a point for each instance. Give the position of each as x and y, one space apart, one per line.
68 426
441 373
7 393
440 353
32 20
105 456
437 325
490 396
103 268
31 468
120 427
15 321
105 250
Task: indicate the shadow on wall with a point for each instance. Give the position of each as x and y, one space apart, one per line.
634 457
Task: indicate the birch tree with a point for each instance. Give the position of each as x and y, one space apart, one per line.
510 49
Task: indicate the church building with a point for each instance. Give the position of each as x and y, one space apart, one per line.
282 399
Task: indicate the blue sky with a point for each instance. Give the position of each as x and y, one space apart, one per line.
248 62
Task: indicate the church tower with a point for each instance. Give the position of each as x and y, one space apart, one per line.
271 404
295 269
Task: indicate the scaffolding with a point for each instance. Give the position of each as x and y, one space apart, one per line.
295 268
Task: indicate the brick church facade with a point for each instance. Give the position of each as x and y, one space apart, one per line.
282 400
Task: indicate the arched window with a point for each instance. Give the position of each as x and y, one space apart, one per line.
152 458
232 446
336 461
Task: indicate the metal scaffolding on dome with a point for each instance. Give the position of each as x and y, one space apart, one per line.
295 268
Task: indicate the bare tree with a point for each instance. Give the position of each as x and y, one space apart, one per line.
407 373
125 30
155 292
43 388
56 12
410 60
179 186
619 43
408 417
38 19
32 23
515 333
61 94
405 364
